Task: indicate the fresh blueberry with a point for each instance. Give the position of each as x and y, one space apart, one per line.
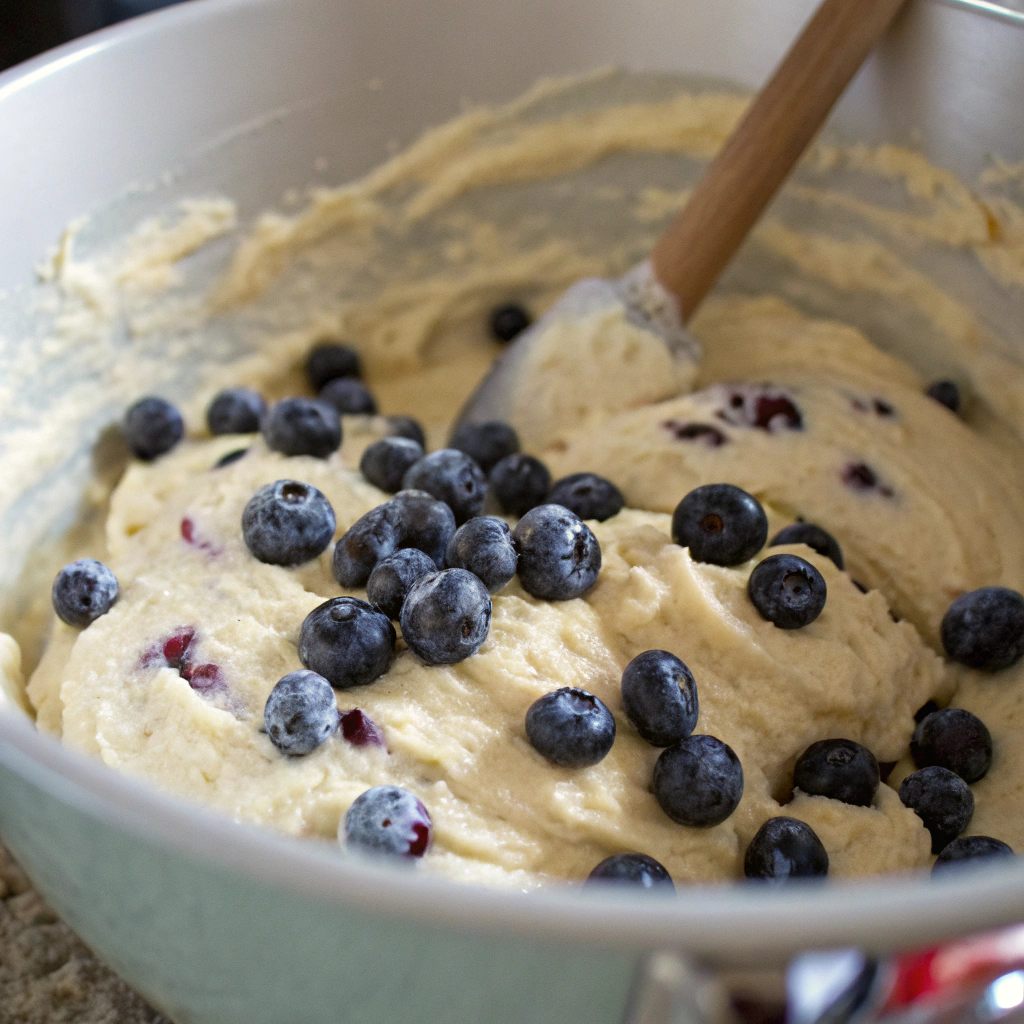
347 641
392 578
839 769
485 443
924 711
953 739
559 556
635 870
570 727
946 393
985 629
785 848
698 781
370 538
814 537
659 696
942 800
302 426
720 524
300 712
588 495
787 590
330 361
450 476
411 519
386 461
236 411
406 426
446 616
349 396
287 523
387 820
424 522
83 591
484 547
520 482
508 320
152 427
229 457
971 848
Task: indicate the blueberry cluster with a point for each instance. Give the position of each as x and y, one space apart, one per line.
431 560
724 525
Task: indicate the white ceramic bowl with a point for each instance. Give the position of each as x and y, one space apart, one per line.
218 922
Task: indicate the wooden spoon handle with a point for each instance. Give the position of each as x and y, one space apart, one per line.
776 129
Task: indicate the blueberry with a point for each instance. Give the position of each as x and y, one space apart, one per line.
985 628
659 696
698 781
971 848
83 591
570 727
814 537
839 769
508 320
953 739
392 578
520 482
406 426
370 538
229 457
636 870
330 361
946 393
387 820
300 712
924 711
484 547
720 524
787 590
785 848
349 396
152 427
347 641
424 522
942 800
485 443
450 476
287 523
411 519
236 411
588 495
446 616
559 556
385 462
302 426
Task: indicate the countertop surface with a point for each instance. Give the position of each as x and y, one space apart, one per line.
47 974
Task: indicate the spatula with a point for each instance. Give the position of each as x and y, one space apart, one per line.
662 293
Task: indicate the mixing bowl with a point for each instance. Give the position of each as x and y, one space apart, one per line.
219 922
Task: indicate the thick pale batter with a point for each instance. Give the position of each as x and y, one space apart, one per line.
924 504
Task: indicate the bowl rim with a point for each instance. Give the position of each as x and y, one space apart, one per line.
732 923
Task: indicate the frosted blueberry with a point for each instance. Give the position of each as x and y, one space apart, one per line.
300 713
83 591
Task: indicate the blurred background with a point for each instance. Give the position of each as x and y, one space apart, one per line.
28 27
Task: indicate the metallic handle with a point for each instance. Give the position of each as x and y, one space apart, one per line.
669 989
1015 16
